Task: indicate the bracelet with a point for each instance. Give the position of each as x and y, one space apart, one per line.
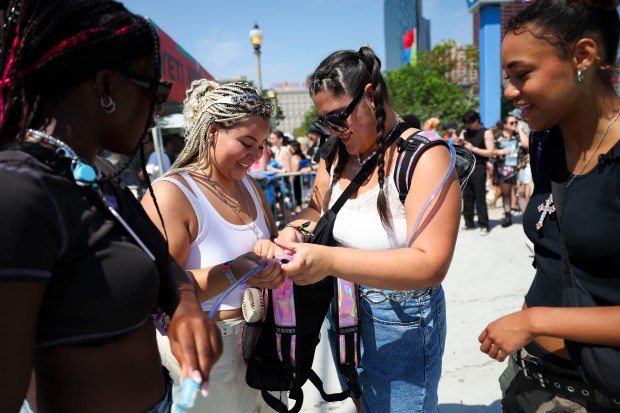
301 229
227 269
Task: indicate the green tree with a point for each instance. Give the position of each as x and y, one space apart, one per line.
422 88
311 115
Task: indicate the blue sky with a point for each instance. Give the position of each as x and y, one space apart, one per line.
298 34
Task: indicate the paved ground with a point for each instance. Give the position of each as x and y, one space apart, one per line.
488 278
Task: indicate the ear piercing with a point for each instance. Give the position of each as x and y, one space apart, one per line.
580 74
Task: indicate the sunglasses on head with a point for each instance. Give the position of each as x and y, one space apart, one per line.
162 89
253 103
338 122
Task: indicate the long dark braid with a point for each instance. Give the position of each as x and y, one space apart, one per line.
348 72
373 65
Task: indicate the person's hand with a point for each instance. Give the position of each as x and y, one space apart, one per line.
311 262
506 335
269 277
195 340
287 234
265 248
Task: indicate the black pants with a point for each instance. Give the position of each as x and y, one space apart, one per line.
475 193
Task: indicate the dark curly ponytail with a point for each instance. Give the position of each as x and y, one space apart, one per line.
563 22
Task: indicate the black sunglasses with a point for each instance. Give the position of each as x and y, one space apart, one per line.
512 123
161 89
335 122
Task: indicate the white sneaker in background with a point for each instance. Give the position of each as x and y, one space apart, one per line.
484 231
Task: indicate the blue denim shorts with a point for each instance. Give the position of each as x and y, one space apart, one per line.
402 337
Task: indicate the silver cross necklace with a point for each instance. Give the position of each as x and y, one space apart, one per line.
547 207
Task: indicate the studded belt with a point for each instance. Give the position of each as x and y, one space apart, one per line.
557 380
376 296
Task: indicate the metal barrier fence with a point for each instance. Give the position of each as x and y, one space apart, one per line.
280 192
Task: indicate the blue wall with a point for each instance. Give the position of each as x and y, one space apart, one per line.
490 64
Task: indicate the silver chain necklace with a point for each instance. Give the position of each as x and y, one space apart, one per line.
235 206
252 224
615 118
548 206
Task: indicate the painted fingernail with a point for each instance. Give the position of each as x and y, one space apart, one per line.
196 376
204 389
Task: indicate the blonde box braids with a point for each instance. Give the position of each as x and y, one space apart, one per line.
201 110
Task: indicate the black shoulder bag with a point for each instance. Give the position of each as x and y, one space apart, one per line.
324 226
599 366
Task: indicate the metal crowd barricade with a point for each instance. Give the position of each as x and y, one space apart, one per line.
280 192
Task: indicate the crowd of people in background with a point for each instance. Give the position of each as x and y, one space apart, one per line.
82 84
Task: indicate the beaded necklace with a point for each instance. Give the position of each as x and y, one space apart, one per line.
369 157
363 161
83 173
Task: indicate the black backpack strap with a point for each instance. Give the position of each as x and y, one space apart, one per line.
279 406
409 151
318 383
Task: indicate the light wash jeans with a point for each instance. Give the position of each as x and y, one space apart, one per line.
402 345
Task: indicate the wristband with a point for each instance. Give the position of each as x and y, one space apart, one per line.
227 269
302 229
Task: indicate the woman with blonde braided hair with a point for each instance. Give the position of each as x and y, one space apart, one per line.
82 267
219 224
402 340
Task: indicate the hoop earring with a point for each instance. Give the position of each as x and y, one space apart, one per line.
109 106
580 74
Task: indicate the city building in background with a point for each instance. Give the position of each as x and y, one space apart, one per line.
465 70
406 31
294 101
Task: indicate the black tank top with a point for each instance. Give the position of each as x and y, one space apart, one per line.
591 225
476 138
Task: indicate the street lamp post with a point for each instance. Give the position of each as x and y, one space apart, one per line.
256 35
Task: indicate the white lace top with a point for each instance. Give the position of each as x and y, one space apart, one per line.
358 224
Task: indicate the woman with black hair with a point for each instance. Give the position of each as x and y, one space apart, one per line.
402 310
82 267
558 56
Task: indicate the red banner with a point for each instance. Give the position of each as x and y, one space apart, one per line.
178 66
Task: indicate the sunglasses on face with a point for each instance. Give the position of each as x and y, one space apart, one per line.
335 122
162 89
512 123
254 104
